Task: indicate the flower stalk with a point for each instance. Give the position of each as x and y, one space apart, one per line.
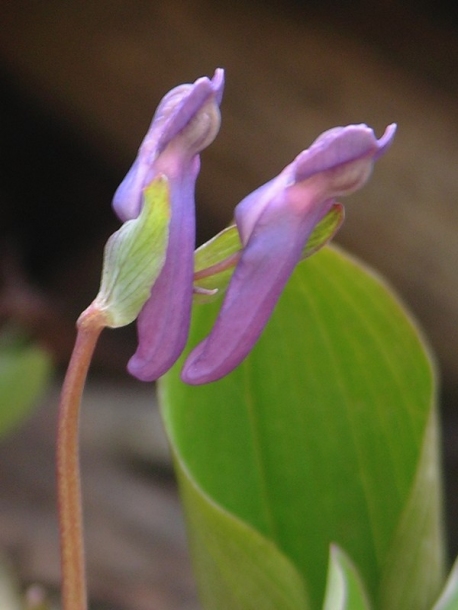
133 259
74 593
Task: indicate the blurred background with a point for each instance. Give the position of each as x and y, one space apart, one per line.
80 81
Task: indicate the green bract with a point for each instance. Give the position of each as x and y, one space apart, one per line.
134 257
227 244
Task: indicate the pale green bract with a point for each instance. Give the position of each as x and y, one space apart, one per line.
227 243
134 257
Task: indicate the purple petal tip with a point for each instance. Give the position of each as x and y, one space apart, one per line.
341 145
193 97
174 114
218 84
386 140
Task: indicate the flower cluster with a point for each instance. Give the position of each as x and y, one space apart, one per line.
274 225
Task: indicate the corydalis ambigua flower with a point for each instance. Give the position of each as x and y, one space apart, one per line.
186 121
275 223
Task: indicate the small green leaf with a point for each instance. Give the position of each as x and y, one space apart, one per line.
24 374
134 257
226 245
448 599
344 588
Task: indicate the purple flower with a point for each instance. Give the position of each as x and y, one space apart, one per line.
186 121
275 223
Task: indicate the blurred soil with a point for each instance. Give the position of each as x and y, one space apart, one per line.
135 542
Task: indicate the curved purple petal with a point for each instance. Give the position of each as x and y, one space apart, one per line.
163 323
334 149
176 111
266 264
274 224
195 98
342 145
186 121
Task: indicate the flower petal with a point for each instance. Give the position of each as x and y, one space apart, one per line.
163 323
275 223
265 266
196 96
185 122
342 145
333 150
177 111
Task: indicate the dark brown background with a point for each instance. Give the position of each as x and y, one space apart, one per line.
80 81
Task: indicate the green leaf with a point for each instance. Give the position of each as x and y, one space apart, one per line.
344 589
226 245
241 568
324 434
134 257
448 599
24 374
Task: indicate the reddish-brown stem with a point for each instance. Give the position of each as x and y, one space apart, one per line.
227 263
74 595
